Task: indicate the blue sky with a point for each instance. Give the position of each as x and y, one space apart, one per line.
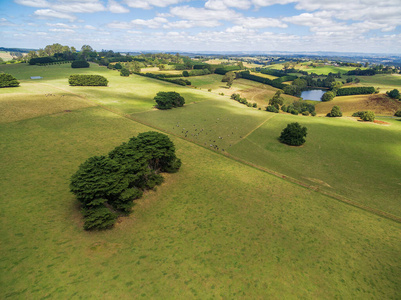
209 25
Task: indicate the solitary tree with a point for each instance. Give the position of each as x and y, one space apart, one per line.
328 96
124 72
394 94
335 112
7 80
167 100
368 116
294 134
229 78
277 100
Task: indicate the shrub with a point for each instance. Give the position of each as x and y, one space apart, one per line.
168 100
185 74
98 218
328 96
358 114
272 108
255 105
87 80
294 112
313 113
335 112
394 94
124 72
7 80
284 108
305 113
294 134
80 64
398 113
368 116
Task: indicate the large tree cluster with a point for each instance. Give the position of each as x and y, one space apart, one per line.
107 185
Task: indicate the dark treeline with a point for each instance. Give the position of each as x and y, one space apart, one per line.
360 90
87 80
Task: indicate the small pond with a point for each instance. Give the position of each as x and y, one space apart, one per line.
314 95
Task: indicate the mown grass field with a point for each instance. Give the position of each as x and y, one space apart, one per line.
216 229
385 82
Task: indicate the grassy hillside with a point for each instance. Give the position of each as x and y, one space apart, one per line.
216 229
378 103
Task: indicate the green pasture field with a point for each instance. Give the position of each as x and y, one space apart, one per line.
123 94
251 90
385 82
325 70
218 228
354 159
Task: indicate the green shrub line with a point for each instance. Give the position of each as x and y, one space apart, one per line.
79 64
87 80
360 90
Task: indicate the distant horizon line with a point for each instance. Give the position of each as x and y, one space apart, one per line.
237 52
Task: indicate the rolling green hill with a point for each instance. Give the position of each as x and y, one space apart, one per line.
223 227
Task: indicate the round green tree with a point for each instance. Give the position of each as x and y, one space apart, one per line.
294 134
124 72
167 100
368 116
335 112
328 96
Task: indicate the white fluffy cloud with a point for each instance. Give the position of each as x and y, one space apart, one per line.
151 23
116 8
33 3
202 14
50 13
251 22
224 4
148 4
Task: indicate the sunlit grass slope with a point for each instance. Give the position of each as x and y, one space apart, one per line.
215 229
354 159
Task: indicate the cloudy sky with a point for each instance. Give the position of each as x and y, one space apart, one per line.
200 25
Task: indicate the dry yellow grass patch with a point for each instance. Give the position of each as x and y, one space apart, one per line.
16 107
378 103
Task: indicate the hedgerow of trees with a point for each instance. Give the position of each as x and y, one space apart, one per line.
80 64
107 185
7 80
87 80
168 100
294 134
360 90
